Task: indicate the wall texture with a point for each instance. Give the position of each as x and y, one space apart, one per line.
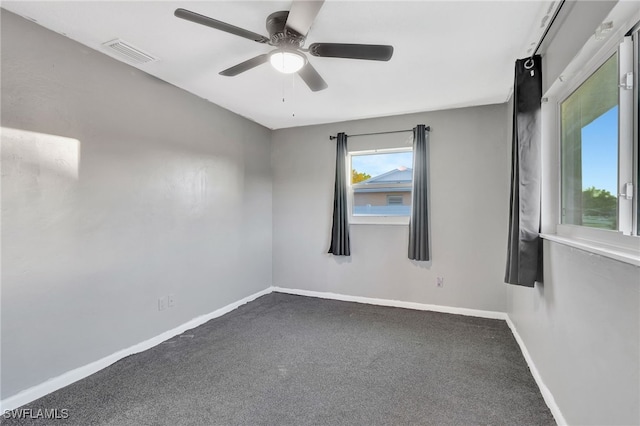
582 326
469 208
117 189
582 331
576 22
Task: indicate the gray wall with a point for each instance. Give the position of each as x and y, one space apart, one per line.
469 209
582 326
574 24
166 194
582 330
153 191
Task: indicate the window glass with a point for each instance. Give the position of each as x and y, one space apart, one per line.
381 183
589 120
637 144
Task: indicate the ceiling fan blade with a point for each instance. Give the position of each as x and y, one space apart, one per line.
302 15
219 25
245 66
373 52
310 76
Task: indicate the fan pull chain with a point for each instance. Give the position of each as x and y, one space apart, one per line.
293 90
293 93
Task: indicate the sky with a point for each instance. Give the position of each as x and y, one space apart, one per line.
377 164
600 152
599 155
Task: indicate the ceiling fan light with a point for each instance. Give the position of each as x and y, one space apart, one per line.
286 61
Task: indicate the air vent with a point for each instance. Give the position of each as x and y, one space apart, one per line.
126 51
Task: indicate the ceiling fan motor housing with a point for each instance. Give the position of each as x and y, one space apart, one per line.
280 35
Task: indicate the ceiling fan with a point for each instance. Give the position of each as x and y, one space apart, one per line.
287 33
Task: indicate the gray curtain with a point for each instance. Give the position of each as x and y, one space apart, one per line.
524 251
340 245
419 220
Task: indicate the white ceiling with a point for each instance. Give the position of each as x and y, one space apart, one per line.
447 54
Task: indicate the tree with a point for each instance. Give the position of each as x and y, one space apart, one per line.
356 176
598 202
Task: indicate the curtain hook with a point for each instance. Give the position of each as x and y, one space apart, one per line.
528 64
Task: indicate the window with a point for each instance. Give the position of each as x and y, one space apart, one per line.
597 146
395 200
636 41
380 185
589 140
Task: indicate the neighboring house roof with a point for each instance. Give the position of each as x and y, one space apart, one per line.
399 175
396 176
378 189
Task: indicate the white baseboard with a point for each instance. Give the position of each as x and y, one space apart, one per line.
79 373
51 385
544 390
395 303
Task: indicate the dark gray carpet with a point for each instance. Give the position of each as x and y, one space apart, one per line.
295 360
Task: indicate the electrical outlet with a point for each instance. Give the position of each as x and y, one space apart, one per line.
171 301
440 282
162 303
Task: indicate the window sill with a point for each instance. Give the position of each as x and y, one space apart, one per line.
379 223
620 254
363 219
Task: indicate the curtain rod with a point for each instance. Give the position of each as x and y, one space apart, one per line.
546 31
428 128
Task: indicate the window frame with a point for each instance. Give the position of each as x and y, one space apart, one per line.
636 128
621 148
373 219
602 241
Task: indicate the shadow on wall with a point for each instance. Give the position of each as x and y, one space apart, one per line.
422 264
340 260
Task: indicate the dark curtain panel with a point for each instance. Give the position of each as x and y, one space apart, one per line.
340 245
419 220
524 252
